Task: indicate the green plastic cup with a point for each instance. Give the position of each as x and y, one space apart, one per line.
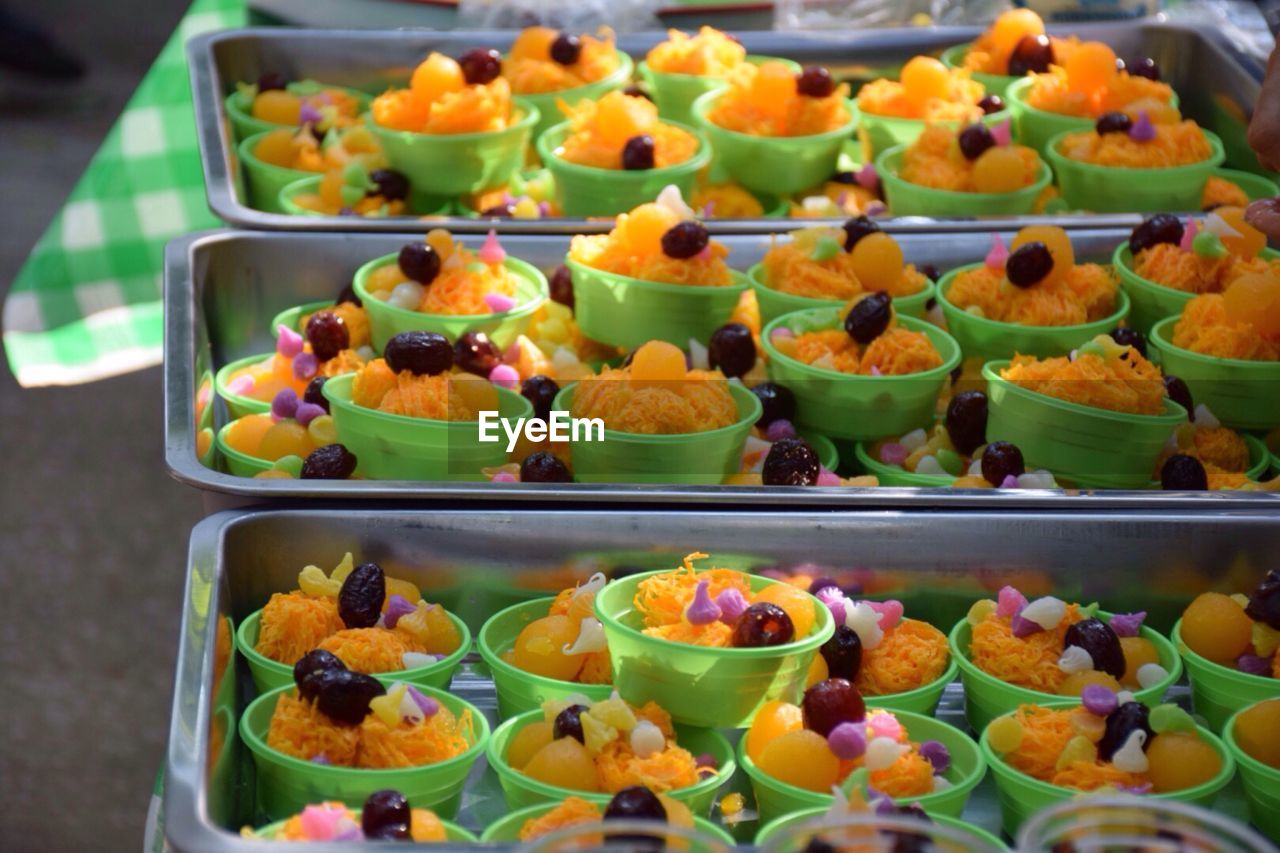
1114 189
1242 394
548 103
923 700
1219 691
1254 186
1259 460
452 831
238 405
627 312
396 447
675 93
907 199
987 697
506 829
775 798
1149 302
995 84
449 164
1033 127
858 407
269 674
286 785
238 464
1261 781
264 181
291 318
1022 795
960 834
387 320
585 191
1084 445
697 458
980 337
896 475
780 165
774 303
438 207
521 791
698 685
243 124
518 691
880 133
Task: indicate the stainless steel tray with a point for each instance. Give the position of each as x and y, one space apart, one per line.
1217 83
223 288
476 561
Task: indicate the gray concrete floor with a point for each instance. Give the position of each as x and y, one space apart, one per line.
93 533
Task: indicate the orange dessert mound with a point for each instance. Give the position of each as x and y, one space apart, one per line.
531 70
1209 327
710 53
1176 144
634 248
934 160
1087 292
797 266
726 201
440 737
1220 192
294 623
439 101
1171 266
336 107
1221 450
599 131
436 397
1045 734
1086 82
1030 661
289 148
1130 384
301 730
465 281
990 51
895 352
927 90
367 649
656 395
911 654
762 100
572 812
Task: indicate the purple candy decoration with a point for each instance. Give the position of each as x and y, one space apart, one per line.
876 208
1025 627
1099 700
1142 130
505 376
308 412
867 177
780 429
397 606
242 384
885 806
1253 665
320 759
827 477
305 365
847 741
351 833
706 759
289 343
834 598
309 114
893 453
430 707
285 404
936 753
1128 624
1009 602
702 610
732 604
1144 788
1009 482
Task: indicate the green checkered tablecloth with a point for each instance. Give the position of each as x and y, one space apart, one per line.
86 305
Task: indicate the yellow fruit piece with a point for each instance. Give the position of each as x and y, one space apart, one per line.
323 431
436 76
1004 734
1179 760
656 363
923 78
343 568
1250 242
1257 732
1090 725
1075 683
440 240
772 721
1265 639
276 148
732 804
565 763
1215 626
801 758
387 706
595 733
614 712
406 590
1009 29
817 671
1254 298
286 438
797 603
1138 651
534 43
998 170
245 434
539 648
1079 748
877 261
313 581
277 106
1056 241
477 392
442 636
678 814
1090 67
526 743
980 610
384 279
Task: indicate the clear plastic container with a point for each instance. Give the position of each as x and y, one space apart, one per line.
1123 823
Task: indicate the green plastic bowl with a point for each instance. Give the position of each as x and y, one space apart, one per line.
697 685
627 312
977 840
244 125
907 199
896 475
286 785
1254 186
1087 446
548 103
1149 302
698 458
521 791
880 133
386 320
264 181
995 84
438 207
396 447
859 407
1022 795
1261 782
585 191
291 318
774 165
1242 394
1219 691
980 337
518 691
1114 189
448 164
775 798
774 303
675 93
238 464
1259 460
453 832
987 697
269 674
506 829
238 405
923 700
